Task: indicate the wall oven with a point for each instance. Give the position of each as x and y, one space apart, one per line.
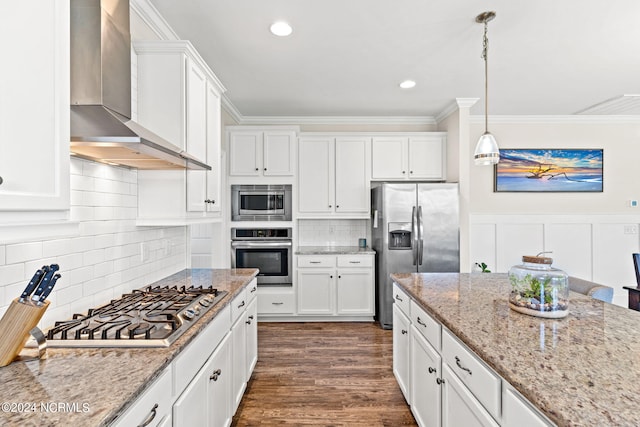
261 202
268 249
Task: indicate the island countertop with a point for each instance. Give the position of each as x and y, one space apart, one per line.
94 385
581 370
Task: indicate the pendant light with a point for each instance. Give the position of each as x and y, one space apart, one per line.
487 151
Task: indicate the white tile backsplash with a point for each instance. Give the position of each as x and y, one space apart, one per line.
332 232
105 260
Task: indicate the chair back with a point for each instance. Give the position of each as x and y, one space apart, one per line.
636 266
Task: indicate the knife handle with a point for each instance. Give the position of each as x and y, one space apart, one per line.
33 283
45 293
45 281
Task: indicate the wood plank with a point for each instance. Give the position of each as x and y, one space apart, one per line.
323 374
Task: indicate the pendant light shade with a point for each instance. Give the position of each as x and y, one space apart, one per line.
487 151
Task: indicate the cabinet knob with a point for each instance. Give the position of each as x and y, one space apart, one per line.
215 375
403 172
330 206
404 332
331 277
257 169
440 381
410 171
337 206
265 169
431 370
339 277
0 180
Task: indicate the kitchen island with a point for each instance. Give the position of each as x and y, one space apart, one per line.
94 386
578 371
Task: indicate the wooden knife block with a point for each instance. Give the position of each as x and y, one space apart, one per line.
15 325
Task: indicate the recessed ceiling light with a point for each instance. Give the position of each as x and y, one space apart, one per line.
281 29
407 84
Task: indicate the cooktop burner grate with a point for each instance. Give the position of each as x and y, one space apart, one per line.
149 317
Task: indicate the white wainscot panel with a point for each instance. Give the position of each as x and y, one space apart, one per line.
516 240
482 245
570 246
612 261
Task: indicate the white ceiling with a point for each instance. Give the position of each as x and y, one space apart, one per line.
347 57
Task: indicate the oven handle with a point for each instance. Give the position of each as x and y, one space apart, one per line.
244 244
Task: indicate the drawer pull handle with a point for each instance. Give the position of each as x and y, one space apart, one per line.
398 298
421 322
354 262
251 317
277 303
241 304
404 331
254 289
314 262
431 370
248 322
462 367
215 375
150 417
440 381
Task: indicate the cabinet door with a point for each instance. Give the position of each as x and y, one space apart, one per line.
213 202
425 390
245 152
516 412
316 175
191 407
34 106
218 373
316 292
355 292
351 175
278 153
252 336
389 158
196 116
427 157
459 406
401 353
239 364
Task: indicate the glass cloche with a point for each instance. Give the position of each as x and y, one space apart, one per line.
538 289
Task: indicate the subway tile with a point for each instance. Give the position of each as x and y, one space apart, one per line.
68 295
93 257
82 183
23 252
103 269
2 255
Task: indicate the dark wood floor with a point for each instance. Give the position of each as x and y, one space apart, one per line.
323 374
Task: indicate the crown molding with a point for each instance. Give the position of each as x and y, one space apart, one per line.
577 119
329 120
231 109
150 15
458 104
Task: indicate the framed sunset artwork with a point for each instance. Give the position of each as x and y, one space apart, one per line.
549 170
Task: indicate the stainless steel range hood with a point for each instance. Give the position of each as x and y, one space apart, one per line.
101 125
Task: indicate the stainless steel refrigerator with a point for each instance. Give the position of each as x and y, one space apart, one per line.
415 228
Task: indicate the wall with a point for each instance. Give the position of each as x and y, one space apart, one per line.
332 232
106 259
591 235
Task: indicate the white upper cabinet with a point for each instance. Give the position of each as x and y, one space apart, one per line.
261 152
34 106
179 99
413 157
333 176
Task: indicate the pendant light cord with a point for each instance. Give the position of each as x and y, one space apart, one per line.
485 48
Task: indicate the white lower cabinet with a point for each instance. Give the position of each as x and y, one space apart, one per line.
426 369
251 325
445 383
401 354
335 285
239 354
153 407
206 401
459 405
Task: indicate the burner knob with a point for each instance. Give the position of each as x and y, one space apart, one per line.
189 314
206 301
197 309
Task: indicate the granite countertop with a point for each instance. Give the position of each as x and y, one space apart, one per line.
334 250
97 384
582 370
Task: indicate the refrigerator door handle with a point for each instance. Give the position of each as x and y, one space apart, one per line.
414 236
420 236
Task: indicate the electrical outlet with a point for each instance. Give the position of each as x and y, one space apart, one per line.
144 252
630 229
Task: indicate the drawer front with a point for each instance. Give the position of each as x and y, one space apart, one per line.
427 326
355 261
402 300
276 303
153 405
239 305
479 379
316 261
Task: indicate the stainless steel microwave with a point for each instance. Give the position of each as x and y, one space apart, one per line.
261 202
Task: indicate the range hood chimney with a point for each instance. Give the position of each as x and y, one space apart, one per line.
101 125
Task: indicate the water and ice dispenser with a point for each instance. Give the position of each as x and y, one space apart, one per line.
399 235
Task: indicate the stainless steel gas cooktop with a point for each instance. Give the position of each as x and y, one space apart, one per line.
150 317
